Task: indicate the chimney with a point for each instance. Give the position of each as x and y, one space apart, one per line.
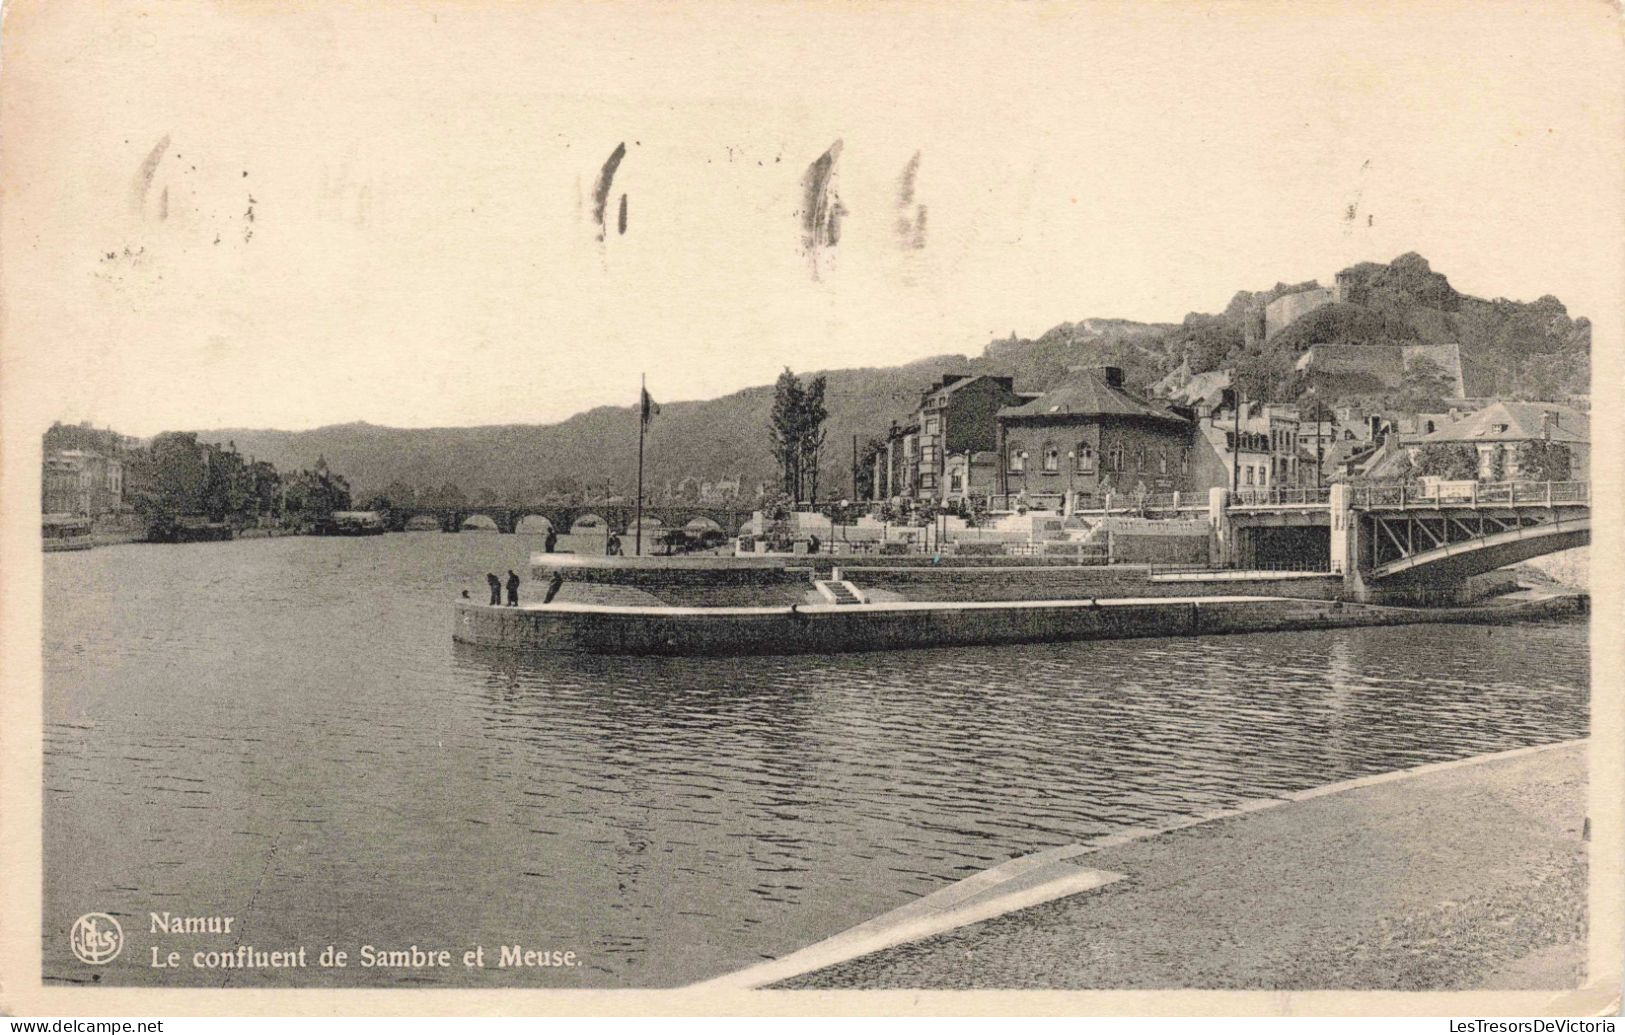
1113 376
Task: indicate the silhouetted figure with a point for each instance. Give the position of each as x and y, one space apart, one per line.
612 548
551 541
496 588
465 595
513 589
553 588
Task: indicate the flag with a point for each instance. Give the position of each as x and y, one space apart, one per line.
650 407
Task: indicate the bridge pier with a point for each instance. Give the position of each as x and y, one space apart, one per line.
1221 531
1346 546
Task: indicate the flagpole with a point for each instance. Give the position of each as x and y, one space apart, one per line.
643 420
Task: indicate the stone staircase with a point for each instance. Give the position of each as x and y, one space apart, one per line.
838 591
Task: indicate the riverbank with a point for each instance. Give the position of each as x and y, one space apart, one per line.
122 536
1459 876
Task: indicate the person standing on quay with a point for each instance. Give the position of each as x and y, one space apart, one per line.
513 589
551 541
496 588
553 587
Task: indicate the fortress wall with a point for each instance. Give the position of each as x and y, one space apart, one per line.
1287 308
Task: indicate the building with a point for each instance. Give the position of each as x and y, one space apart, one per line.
74 481
896 467
1260 450
957 419
722 491
1497 430
974 474
1091 436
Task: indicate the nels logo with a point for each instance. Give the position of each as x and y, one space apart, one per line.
96 938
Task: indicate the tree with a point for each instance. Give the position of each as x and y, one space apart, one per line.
1450 461
866 467
1543 461
1425 387
784 425
174 477
314 495
813 415
796 432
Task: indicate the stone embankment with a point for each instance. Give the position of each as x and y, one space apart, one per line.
840 628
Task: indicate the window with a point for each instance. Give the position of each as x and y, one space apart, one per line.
1162 461
1139 458
956 480
1085 458
1184 461
1115 458
1052 458
1017 462
932 424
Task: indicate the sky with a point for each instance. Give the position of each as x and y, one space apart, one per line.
282 215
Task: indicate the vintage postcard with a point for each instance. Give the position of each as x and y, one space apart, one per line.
811 508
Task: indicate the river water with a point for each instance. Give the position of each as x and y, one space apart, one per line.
282 731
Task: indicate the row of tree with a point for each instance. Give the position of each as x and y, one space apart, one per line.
796 432
1537 461
175 476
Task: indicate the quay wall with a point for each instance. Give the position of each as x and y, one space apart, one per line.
684 581
1054 582
852 628
766 582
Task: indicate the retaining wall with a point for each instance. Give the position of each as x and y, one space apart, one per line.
1052 582
836 629
685 581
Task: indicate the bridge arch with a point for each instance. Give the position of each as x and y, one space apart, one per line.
480 523
588 522
534 524
1461 560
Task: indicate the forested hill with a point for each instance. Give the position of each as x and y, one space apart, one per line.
1525 349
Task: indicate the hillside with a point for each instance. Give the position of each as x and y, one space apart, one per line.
1532 350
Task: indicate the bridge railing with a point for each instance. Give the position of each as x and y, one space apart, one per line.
1470 494
1282 496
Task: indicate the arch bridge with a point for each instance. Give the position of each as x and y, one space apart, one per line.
1409 541
1400 539
562 517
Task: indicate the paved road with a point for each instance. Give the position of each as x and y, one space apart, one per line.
1471 877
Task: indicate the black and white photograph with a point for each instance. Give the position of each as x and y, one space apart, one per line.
764 507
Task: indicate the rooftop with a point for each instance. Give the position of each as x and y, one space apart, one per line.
1093 393
1516 422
